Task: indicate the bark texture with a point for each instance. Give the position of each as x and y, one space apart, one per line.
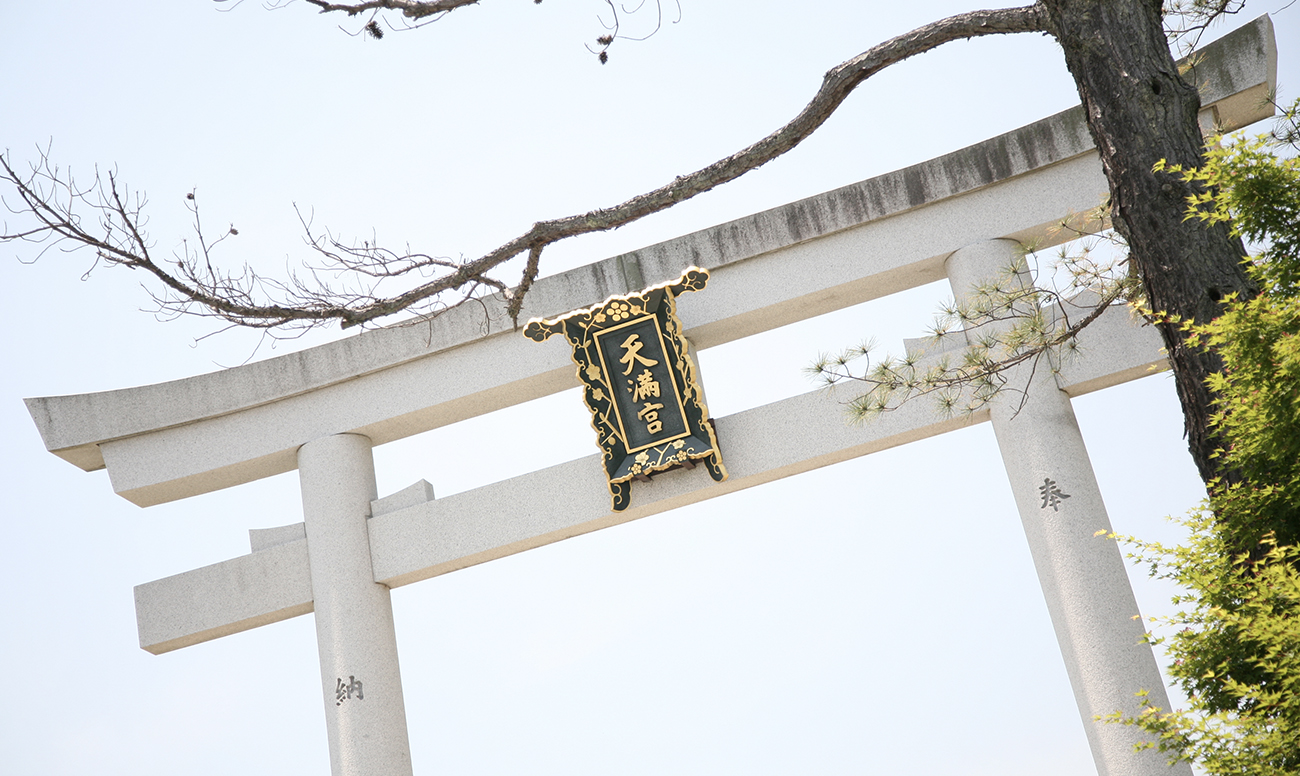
1139 111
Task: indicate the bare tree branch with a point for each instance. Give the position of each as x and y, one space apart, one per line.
613 27
428 11
411 9
193 282
200 288
1187 20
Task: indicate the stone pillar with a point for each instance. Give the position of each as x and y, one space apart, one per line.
365 716
1082 575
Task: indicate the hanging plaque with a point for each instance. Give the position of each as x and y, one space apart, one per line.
640 384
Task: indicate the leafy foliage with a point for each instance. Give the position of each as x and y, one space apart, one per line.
1236 653
1251 187
1235 642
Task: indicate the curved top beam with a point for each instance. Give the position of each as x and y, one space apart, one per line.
886 234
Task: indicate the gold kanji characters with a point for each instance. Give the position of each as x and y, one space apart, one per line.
632 354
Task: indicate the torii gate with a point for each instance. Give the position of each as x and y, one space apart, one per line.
960 216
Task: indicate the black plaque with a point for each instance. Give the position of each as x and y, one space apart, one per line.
640 384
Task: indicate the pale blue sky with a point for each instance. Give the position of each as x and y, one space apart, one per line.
880 616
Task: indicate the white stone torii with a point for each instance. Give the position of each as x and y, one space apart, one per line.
961 216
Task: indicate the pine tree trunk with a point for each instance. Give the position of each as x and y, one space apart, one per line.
1140 111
